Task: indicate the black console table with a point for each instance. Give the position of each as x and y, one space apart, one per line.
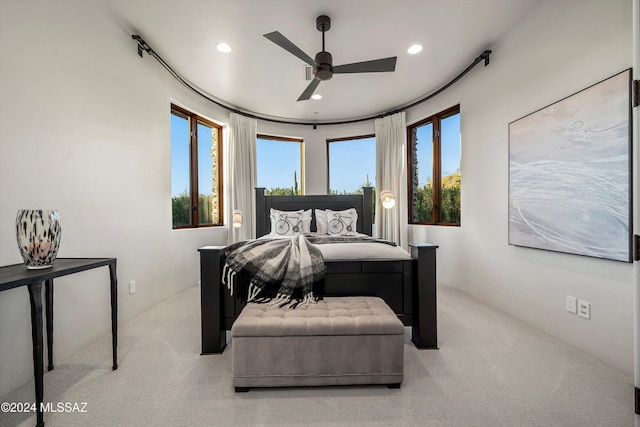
13 276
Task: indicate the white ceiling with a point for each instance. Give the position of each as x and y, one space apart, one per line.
261 78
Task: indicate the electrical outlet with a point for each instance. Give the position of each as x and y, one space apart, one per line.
132 287
571 304
584 309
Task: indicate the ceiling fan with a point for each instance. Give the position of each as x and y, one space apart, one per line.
323 68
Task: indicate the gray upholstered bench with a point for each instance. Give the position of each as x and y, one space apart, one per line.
337 341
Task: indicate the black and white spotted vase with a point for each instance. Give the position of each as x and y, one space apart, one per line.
38 234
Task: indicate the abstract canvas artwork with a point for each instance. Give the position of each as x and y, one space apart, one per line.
570 174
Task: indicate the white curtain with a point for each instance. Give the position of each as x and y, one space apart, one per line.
240 164
391 174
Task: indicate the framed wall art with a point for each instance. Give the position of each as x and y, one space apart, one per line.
570 174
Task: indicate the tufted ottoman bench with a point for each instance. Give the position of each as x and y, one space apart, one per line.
337 341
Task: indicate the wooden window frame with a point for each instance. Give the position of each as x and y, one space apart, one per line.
195 119
435 121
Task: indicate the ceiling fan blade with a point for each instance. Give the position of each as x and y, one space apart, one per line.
284 43
375 66
309 90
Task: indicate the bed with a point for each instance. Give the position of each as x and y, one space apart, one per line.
407 285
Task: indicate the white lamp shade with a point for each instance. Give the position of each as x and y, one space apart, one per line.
387 199
237 219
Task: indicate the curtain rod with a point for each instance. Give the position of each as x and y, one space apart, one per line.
143 46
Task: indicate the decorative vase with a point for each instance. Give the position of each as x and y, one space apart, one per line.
38 234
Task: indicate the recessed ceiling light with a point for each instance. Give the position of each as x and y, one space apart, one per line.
416 48
223 47
316 96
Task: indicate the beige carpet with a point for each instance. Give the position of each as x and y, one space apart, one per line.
491 370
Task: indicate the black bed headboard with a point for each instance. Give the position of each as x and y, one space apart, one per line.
362 203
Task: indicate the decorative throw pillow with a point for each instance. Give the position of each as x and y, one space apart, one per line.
341 223
289 223
321 221
306 221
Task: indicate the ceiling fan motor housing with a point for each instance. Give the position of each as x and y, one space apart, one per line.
323 23
325 60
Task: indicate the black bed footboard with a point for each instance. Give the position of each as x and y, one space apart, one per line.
213 331
407 286
390 280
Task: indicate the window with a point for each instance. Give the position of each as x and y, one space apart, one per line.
351 164
280 165
196 170
434 160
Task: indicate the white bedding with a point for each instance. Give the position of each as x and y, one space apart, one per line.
361 251
357 250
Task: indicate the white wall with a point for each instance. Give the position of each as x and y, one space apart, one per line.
84 128
636 201
560 48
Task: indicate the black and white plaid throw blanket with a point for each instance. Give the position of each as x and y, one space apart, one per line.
281 271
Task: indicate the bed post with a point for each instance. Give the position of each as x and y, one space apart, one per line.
214 336
424 331
260 212
367 210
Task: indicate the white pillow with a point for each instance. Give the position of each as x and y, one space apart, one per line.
306 221
289 223
321 221
337 223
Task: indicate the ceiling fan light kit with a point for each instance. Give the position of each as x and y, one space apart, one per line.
322 65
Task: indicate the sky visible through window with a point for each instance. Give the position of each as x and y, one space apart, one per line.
350 161
277 161
205 160
450 146
179 155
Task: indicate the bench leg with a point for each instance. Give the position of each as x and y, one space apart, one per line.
242 389
394 385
